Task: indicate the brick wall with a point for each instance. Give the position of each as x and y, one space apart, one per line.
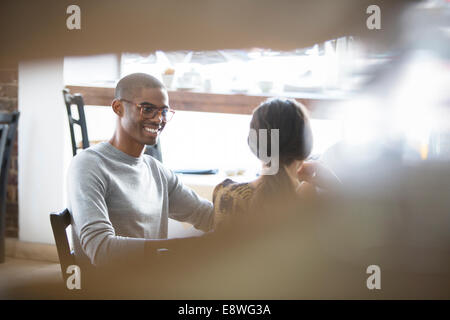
8 103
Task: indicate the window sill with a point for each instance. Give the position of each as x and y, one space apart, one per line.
317 104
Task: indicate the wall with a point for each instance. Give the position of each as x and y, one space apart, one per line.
8 103
42 145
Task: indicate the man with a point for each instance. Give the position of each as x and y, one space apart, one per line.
120 199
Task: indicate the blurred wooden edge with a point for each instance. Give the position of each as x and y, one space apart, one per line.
38 30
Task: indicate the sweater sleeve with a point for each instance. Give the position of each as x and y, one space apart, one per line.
185 205
87 188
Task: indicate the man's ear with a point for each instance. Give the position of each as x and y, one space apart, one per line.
117 107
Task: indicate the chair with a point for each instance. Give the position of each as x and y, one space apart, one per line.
77 100
154 150
8 128
60 221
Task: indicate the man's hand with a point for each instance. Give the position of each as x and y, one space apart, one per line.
318 175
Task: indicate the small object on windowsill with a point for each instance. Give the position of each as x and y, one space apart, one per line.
168 80
189 81
265 86
297 88
185 88
235 172
207 85
168 77
169 71
239 91
197 171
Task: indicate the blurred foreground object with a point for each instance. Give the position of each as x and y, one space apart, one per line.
37 30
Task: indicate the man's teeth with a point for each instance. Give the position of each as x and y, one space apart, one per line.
151 130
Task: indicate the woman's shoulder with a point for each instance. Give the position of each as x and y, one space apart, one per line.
231 199
240 190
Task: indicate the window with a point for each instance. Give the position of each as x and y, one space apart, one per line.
208 140
322 69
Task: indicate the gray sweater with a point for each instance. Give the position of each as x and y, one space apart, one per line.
117 201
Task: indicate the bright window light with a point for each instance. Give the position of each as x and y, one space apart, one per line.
201 140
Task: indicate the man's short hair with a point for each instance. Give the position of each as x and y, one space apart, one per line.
128 85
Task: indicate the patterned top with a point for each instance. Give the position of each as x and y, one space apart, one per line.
231 199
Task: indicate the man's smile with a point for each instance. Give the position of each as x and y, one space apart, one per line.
152 129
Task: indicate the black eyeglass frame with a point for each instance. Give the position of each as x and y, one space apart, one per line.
151 105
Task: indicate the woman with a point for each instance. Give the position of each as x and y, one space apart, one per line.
294 178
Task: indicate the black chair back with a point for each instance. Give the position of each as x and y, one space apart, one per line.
3 136
8 128
60 221
70 100
154 150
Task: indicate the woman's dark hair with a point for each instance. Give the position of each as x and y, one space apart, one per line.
295 143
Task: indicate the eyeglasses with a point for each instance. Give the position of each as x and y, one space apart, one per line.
149 110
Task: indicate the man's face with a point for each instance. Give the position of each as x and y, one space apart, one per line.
140 129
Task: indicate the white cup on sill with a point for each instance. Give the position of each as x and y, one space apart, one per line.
168 80
265 86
